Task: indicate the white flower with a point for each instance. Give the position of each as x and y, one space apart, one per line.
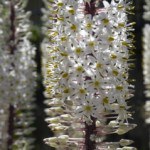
87 108
90 76
17 75
124 142
146 15
146 55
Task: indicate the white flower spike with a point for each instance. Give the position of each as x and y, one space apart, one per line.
86 72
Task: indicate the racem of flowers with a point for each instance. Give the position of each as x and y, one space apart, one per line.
17 77
87 80
146 56
146 70
146 15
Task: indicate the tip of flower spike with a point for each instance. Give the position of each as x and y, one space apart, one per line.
52 120
57 142
125 142
124 128
127 148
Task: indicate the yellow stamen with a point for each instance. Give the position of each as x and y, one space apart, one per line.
115 72
113 56
71 11
78 50
63 38
65 75
87 108
119 87
73 27
98 65
120 7
124 43
65 54
60 4
80 69
105 21
67 90
121 25
106 100
96 83
88 25
82 91
110 39
91 44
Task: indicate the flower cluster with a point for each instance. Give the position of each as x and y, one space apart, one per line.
147 10
3 83
146 56
17 75
87 64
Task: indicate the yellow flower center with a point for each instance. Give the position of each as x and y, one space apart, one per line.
65 75
106 100
113 56
60 18
82 91
73 27
71 11
80 69
105 21
60 4
98 65
65 54
124 43
120 7
115 72
78 50
110 39
91 44
122 107
88 25
63 38
88 108
96 83
119 87
67 90
121 25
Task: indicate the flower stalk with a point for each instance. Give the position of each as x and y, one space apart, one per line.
89 131
12 48
11 41
10 127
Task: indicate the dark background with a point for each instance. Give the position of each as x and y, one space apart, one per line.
140 134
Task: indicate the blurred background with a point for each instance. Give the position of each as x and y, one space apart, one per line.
141 133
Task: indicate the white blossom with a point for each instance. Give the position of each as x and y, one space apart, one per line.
146 15
146 62
17 76
86 69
